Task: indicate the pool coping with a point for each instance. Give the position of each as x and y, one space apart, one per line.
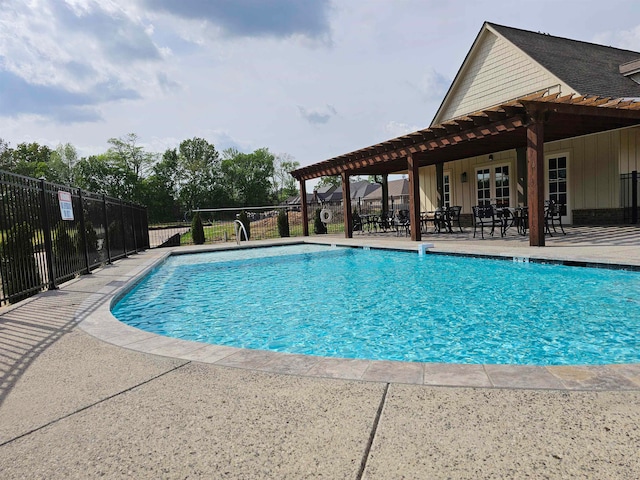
104 326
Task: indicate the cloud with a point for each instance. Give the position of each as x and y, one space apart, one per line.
254 18
166 83
626 39
68 58
20 97
120 37
431 85
397 129
317 116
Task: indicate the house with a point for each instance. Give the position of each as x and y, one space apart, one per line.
529 117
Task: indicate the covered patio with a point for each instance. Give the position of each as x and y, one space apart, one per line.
523 125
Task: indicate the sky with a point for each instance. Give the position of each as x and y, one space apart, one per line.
311 79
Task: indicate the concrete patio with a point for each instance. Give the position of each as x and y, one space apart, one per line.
83 396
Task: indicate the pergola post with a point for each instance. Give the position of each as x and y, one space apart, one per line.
303 206
346 205
385 195
414 198
535 180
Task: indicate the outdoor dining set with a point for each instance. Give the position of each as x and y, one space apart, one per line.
447 220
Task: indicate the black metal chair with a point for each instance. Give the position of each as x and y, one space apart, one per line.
553 215
401 222
454 216
484 216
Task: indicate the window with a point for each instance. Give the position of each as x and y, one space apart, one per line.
446 190
483 177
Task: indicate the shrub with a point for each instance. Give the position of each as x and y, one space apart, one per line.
197 230
18 268
115 236
244 218
283 223
65 250
92 237
318 226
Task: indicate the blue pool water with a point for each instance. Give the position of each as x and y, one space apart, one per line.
373 304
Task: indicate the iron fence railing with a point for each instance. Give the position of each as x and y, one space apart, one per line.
263 221
50 233
629 196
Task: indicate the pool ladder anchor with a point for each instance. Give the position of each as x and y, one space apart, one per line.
238 227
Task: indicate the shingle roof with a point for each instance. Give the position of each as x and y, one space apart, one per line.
589 68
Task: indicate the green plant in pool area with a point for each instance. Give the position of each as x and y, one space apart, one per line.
18 268
319 227
283 223
197 230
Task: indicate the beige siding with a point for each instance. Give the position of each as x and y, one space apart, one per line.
630 150
496 72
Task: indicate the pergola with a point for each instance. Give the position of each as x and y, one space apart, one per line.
528 121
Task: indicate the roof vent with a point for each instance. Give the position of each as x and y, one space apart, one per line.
631 70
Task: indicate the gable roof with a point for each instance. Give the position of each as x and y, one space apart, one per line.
397 188
589 68
505 63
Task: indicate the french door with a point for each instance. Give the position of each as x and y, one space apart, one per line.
493 185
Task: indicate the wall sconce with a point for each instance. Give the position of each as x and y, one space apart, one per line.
463 177
491 158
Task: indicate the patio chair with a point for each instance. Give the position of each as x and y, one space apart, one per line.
401 221
357 223
484 216
553 215
454 216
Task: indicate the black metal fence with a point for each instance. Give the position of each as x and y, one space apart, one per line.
629 196
50 233
263 221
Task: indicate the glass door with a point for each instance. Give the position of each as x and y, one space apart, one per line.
557 184
493 185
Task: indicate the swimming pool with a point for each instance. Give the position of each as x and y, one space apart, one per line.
359 303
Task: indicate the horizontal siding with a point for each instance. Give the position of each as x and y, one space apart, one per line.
630 150
497 72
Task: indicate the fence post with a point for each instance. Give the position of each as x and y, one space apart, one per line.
634 196
124 233
106 227
83 233
46 230
133 227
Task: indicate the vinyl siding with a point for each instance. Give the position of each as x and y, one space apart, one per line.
496 72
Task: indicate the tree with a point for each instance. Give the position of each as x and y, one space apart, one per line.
6 156
131 156
332 181
247 177
97 174
161 189
284 184
32 160
198 170
132 164
63 161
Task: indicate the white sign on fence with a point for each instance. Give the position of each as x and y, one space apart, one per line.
66 207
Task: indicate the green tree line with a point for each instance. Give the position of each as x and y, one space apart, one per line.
192 175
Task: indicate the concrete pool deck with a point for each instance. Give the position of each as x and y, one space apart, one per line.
82 395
